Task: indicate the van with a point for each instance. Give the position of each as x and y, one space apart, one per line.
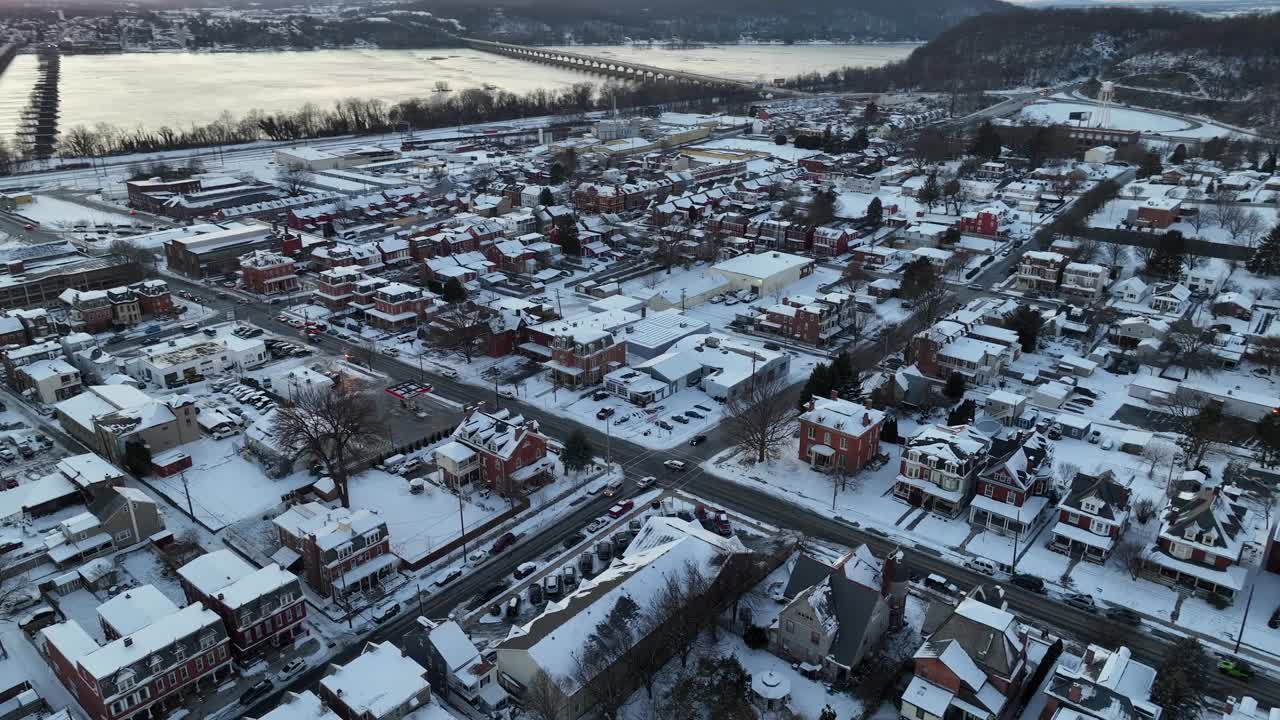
982 565
393 463
210 331
408 466
386 612
613 488
190 327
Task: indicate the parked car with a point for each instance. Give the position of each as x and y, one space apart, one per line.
1124 615
256 691
574 539
676 465
597 525
525 570
1095 437
680 419
982 565
386 612
1236 669
605 413
448 577
503 542
621 509
291 669
1029 582
1080 601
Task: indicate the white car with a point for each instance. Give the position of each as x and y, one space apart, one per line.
677 465
597 525
291 669
645 482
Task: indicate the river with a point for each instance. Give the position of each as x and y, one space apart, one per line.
179 89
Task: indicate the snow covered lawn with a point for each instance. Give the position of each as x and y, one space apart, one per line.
1059 111
225 485
63 214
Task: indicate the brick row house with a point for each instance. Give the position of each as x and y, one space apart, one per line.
266 272
501 451
980 222
1012 496
1092 517
261 607
812 320
939 468
335 286
838 435
146 673
397 306
1041 271
96 310
1203 532
343 552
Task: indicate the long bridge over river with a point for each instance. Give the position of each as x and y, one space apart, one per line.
622 69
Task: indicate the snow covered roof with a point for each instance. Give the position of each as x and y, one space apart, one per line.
135 609
260 582
213 571
378 681
499 432
552 638
844 416
88 469
106 660
453 645
954 443
332 527
763 264
300 706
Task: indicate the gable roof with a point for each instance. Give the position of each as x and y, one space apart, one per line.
1114 496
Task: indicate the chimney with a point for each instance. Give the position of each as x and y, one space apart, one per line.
1075 694
866 419
812 404
128 642
886 572
835 395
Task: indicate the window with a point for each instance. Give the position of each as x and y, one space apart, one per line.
791 626
222 653
1097 527
844 443
206 641
179 652
173 678
814 638
200 663
185 674
988 490
124 681
1073 519
1180 551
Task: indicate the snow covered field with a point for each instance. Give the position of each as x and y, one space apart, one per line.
1115 212
1059 111
59 214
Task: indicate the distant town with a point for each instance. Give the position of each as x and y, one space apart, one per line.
824 405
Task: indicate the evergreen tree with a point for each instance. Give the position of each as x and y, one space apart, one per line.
1268 432
1266 257
889 430
1180 681
875 212
1027 322
822 209
987 142
930 192
955 386
918 277
1168 259
137 458
1179 155
545 197
962 414
827 714
871 112
454 292
569 241
818 385
1150 165
577 451
1269 165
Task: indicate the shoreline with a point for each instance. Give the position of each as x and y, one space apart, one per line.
347 48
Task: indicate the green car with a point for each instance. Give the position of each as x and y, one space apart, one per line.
1236 669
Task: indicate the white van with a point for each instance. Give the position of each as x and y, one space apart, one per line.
613 488
408 466
982 565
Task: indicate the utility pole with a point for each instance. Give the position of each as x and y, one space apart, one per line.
462 525
559 307
187 489
1247 604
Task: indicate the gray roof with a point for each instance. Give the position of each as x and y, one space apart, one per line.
850 603
1113 495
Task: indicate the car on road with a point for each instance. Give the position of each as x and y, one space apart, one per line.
256 691
677 465
574 539
386 612
698 440
448 576
291 669
975 286
525 570
1033 583
1236 669
503 542
646 481
1124 615
28 226
1080 601
282 318
597 525
596 489
621 509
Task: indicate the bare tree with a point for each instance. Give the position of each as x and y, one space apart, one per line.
601 665
542 700
1066 472
759 417
1089 249
1158 453
855 277
460 329
1131 554
144 258
1113 256
334 426
858 323
294 177
1201 426
1144 509
1190 347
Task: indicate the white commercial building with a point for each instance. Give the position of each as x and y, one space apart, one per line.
176 362
764 272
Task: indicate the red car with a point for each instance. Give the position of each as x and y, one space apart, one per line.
502 543
621 509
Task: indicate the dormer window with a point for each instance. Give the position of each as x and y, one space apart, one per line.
1190 533
124 681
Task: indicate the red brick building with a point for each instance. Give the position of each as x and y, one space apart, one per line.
501 451
810 320
397 306
147 673
1012 496
1158 212
151 194
343 552
839 435
335 288
268 273
261 607
1092 517
980 222
1202 539
95 310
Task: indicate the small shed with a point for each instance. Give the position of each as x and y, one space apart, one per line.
770 693
170 463
1074 426
1135 442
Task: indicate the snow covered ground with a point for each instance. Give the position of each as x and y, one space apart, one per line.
1059 111
1115 212
55 213
782 152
